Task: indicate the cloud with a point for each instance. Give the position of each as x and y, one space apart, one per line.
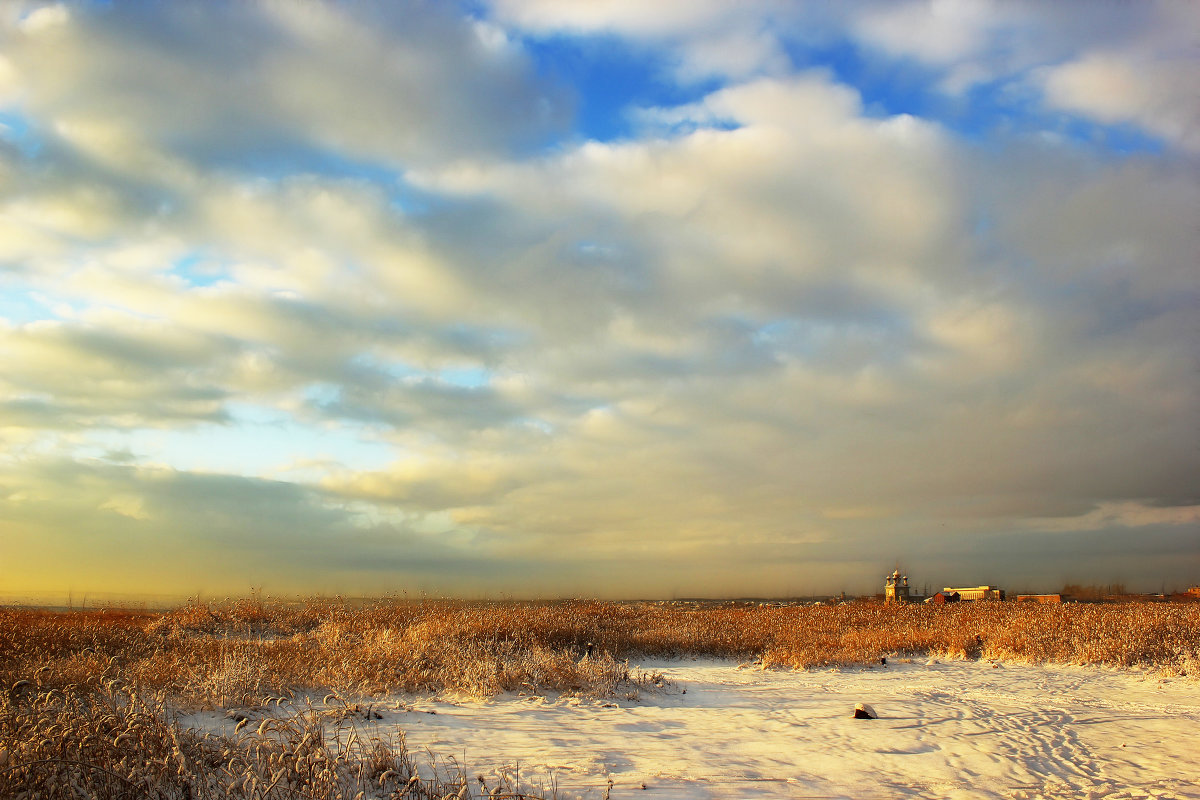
1137 88
888 358
1124 515
703 39
396 83
107 528
1126 64
803 192
63 375
627 16
944 31
267 308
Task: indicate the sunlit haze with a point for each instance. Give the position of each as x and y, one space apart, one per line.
530 298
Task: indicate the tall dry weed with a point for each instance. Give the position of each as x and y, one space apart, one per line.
236 654
117 745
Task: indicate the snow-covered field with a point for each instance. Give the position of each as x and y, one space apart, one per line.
954 729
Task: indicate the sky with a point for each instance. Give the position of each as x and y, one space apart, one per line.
531 298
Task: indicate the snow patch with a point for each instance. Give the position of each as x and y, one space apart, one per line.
962 730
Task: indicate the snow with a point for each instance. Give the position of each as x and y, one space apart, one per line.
956 729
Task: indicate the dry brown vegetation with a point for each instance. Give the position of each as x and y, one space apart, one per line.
240 653
118 744
86 693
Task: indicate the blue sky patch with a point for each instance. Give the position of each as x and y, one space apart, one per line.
465 377
611 78
197 269
16 128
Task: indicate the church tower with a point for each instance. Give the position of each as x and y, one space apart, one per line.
895 588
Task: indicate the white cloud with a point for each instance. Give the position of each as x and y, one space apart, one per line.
986 336
45 18
703 39
623 16
802 193
939 31
1129 63
1143 89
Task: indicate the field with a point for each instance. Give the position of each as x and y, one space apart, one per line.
93 701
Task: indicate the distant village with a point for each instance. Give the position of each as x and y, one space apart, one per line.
896 589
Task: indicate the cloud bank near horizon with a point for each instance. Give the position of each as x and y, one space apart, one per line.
556 299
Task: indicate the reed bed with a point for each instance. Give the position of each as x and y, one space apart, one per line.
85 696
117 744
240 653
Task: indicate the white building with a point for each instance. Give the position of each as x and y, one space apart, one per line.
895 588
977 592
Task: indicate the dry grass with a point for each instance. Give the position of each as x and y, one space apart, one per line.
117 744
1161 636
240 653
77 714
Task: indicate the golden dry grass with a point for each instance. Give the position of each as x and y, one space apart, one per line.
75 710
239 653
118 744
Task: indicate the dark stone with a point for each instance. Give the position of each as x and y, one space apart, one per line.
864 711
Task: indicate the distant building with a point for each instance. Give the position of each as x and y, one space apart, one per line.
895 588
941 598
1194 591
977 592
1040 598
